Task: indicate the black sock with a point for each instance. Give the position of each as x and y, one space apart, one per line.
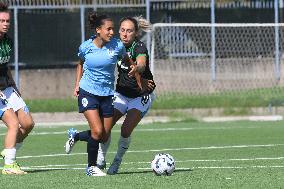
92 149
83 136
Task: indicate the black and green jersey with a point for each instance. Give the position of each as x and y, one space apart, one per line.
5 54
126 85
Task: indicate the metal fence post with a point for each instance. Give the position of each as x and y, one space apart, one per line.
82 20
276 29
213 42
148 17
16 52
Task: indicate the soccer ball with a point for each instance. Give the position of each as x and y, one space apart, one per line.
163 164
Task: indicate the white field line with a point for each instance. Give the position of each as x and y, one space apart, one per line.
181 161
147 168
71 167
82 166
146 130
162 150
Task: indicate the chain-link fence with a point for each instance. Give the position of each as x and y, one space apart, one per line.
47 34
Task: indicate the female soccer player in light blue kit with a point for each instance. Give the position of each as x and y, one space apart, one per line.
95 85
130 100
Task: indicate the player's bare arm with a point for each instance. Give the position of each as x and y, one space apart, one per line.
79 73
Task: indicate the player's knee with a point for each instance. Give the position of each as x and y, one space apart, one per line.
13 126
105 138
125 133
96 134
31 125
28 126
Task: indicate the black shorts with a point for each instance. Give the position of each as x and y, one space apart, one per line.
88 101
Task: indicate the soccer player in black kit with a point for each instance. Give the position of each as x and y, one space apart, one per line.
13 110
130 100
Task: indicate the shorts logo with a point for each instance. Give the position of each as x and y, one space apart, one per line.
26 109
85 102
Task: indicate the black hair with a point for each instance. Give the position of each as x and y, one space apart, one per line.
4 7
96 20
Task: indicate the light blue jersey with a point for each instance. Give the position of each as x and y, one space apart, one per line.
99 65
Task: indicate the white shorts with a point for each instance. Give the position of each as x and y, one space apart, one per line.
124 104
15 101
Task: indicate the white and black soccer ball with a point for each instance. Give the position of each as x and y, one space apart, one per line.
163 164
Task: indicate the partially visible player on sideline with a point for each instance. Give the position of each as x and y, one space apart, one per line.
94 86
13 110
129 98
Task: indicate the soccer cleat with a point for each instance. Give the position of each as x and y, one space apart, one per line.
94 171
113 169
2 154
101 165
13 169
71 141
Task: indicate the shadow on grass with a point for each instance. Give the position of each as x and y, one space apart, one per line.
150 171
42 170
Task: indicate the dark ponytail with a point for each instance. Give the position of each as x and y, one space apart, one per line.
96 20
4 7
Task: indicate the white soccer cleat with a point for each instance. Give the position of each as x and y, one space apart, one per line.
113 169
101 164
71 141
94 172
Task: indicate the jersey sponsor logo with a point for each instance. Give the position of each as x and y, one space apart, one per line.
4 60
110 52
85 102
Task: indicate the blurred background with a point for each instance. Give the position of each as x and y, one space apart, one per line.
224 54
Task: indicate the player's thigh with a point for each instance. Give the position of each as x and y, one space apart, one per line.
95 123
120 105
21 109
132 119
10 119
116 116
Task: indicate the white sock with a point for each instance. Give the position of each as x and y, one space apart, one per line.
10 155
123 145
18 145
103 147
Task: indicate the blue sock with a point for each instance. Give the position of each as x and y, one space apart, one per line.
92 149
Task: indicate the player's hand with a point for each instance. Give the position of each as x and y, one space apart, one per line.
147 85
133 70
76 91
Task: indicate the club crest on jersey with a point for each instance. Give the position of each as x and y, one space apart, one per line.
110 52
